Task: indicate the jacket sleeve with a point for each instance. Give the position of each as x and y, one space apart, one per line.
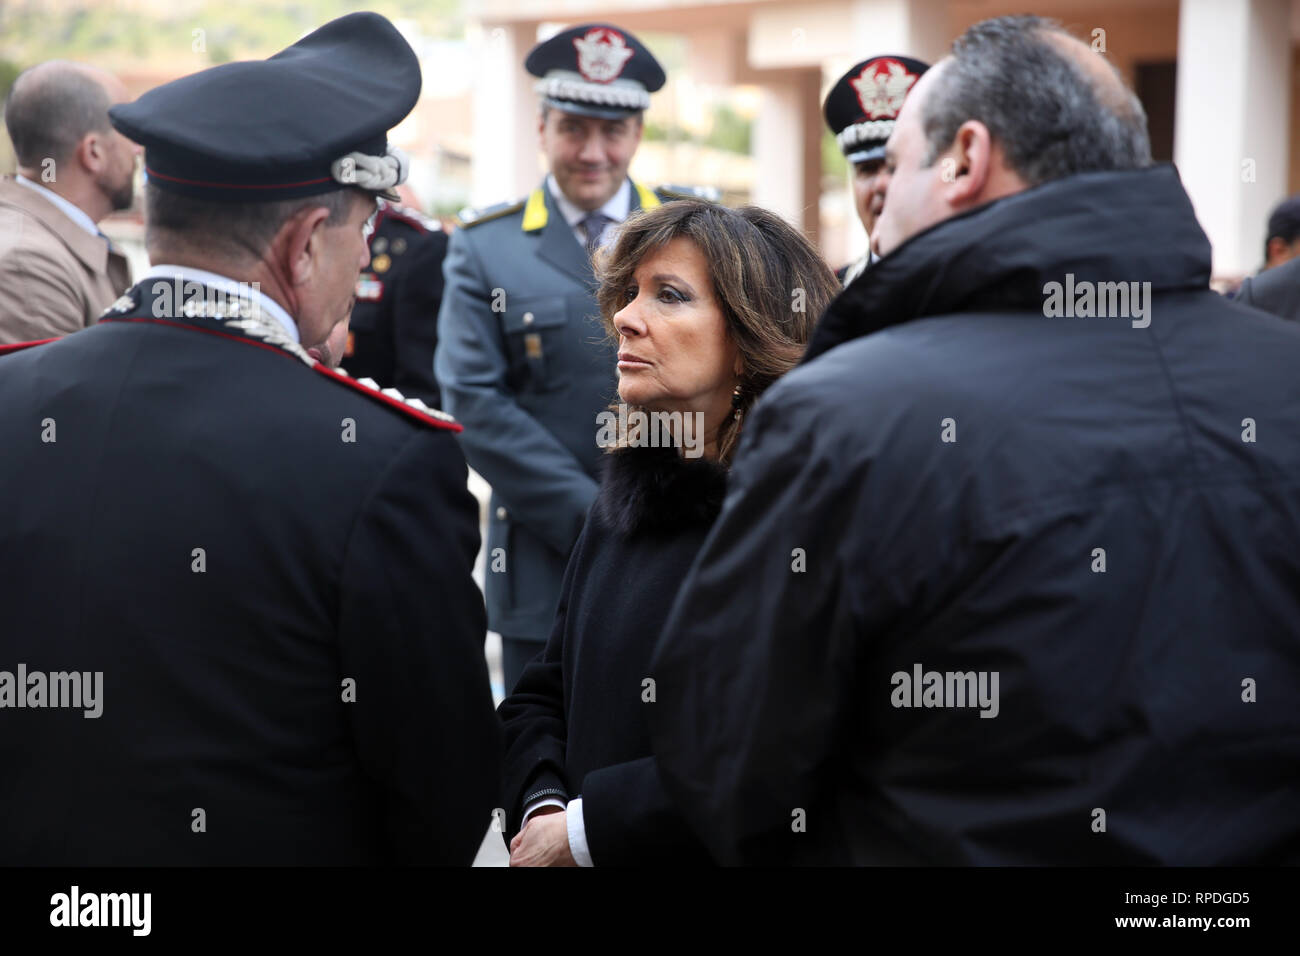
37 301
631 821
533 716
540 481
411 634
415 319
756 661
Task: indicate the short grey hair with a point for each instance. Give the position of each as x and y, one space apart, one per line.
1050 119
233 231
49 113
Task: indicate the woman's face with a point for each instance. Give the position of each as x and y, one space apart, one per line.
674 353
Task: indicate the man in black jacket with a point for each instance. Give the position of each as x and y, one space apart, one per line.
1008 570
240 625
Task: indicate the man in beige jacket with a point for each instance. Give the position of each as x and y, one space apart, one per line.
58 272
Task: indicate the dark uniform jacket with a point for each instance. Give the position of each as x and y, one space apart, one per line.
1275 290
523 362
240 544
958 483
851 270
394 328
576 722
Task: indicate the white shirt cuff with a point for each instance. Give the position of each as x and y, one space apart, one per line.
537 805
577 833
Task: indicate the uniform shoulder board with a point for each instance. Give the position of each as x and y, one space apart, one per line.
19 346
413 218
711 193
391 397
475 217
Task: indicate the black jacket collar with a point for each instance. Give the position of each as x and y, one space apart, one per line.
1135 225
657 491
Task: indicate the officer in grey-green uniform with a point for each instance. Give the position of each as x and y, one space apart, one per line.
522 359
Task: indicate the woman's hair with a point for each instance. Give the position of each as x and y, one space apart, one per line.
768 280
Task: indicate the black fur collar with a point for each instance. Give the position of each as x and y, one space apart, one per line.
656 490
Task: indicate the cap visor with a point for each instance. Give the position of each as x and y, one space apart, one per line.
866 155
589 109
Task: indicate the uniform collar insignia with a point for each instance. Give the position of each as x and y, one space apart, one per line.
536 213
649 200
198 304
270 332
125 303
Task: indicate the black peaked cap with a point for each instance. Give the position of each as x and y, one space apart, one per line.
863 105
595 69
271 129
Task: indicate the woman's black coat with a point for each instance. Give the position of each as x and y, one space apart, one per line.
575 724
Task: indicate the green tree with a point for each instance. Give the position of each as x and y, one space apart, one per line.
833 162
731 131
8 73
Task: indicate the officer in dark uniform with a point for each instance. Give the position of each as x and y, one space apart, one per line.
860 110
394 327
523 360
260 568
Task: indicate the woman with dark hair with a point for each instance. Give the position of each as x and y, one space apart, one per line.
709 306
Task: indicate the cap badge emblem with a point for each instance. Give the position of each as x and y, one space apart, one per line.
602 54
881 87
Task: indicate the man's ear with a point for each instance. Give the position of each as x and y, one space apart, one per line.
92 152
966 169
301 242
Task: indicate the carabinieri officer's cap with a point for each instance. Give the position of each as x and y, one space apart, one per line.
595 70
311 119
863 105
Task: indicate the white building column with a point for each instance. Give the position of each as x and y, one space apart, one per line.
790 46
916 28
505 115
787 148
1232 121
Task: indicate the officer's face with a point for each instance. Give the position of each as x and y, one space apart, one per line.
910 196
865 199
337 254
674 351
330 352
588 156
